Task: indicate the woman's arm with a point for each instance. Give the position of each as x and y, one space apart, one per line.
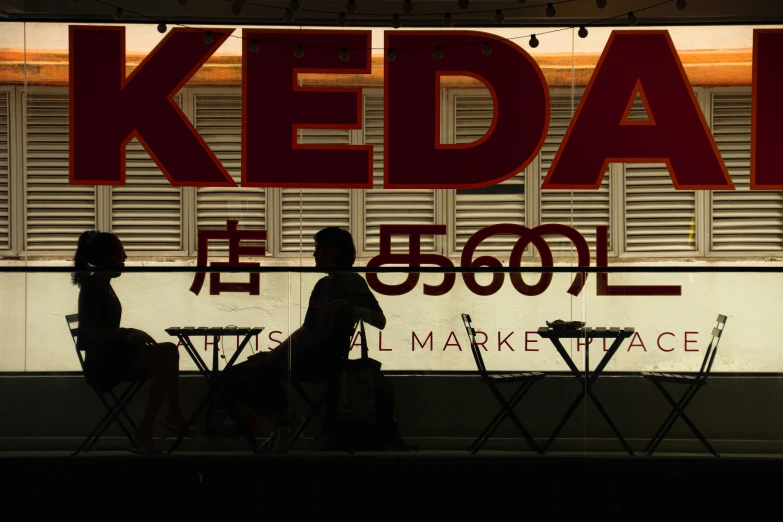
371 317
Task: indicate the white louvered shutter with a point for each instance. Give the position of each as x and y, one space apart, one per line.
146 213
743 221
658 218
390 206
500 203
56 212
219 121
579 209
306 211
5 221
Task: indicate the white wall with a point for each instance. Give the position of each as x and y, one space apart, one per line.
39 341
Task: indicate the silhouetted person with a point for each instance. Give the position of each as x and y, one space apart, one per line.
115 354
316 350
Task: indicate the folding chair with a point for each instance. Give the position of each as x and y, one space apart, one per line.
115 408
525 380
694 383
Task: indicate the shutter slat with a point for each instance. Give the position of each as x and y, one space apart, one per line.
305 213
386 207
57 212
147 196
219 121
5 238
658 218
580 209
475 210
743 221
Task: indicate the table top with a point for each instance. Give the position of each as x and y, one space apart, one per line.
214 330
593 333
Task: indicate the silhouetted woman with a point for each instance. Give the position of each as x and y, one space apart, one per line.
115 354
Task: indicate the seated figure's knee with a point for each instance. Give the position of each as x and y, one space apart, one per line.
168 351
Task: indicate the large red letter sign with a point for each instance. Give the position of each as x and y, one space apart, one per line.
767 125
414 156
676 134
108 109
274 108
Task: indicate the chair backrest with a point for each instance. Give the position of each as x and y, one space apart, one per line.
72 321
712 348
474 347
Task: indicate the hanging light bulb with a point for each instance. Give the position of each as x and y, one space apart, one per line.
499 16
294 5
550 10
600 3
161 27
681 4
350 7
118 14
396 22
208 38
253 46
582 32
486 50
447 20
631 18
344 55
533 41
390 55
288 15
463 4
407 7
236 7
298 52
342 21
437 54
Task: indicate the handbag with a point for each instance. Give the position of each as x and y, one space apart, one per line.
356 407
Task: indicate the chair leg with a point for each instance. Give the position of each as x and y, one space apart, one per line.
564 420
119 408
490 429
680 412
514 418
315 410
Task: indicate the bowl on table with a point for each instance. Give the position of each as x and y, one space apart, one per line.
567 326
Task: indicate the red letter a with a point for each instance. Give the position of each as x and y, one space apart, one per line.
676 133
767 125
108 109
414 156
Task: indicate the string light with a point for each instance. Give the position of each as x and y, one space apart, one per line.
236 7
298 52
550 10
208 38
582 32
447 20
437 53
391 56
118 14
342 21
681 4
253 46
600 3
463 4
533 41
499 16
161 27
294 5
350 7
344 55
407 7
486 50
396 22
631 18
288 15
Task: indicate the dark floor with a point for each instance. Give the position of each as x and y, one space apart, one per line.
116 485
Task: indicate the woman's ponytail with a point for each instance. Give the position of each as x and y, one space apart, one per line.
84 257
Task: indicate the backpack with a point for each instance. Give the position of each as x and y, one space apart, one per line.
363 416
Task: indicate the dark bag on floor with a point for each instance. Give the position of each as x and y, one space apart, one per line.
364 416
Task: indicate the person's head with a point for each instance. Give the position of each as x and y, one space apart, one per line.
334 248
99 250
